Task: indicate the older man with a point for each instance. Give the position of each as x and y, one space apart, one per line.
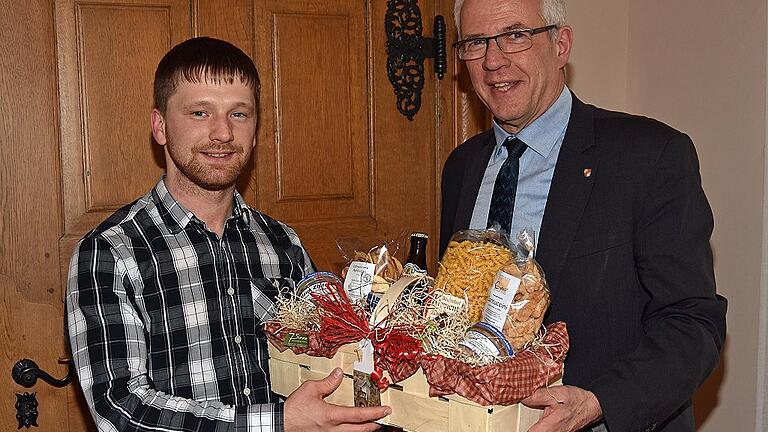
624 224
166 297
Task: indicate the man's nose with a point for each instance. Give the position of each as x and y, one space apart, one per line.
222 130
494 56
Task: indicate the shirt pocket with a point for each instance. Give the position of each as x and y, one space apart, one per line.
264 293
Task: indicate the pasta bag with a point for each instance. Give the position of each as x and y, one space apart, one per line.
470 262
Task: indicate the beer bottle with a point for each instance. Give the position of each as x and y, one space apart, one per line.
416 263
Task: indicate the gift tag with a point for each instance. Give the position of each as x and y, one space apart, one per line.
359 279
366 391
364 361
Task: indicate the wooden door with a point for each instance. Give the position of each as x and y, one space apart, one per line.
334 156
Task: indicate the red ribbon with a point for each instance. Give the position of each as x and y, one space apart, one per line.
341 322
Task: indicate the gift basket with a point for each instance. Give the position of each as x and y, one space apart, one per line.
465 347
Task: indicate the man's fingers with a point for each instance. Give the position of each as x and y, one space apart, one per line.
340 414
544 397
329 384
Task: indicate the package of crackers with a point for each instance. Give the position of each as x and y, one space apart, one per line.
370 269
519 296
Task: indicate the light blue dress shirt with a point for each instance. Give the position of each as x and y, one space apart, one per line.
544 137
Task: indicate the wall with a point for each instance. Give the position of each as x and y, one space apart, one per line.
700 66
597 71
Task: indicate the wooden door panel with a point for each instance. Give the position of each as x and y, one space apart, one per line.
314 150
107 54
115 95
322 154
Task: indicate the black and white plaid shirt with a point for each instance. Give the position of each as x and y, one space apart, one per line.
165 318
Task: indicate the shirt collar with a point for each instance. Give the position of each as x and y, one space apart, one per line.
177 217
544 132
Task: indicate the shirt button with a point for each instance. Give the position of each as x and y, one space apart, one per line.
238 339
246 391
231 291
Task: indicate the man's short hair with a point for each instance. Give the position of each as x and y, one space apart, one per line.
551 11
203 59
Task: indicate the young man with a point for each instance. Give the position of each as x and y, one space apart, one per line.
624 224
166 298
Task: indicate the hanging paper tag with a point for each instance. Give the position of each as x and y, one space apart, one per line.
366 392
364 362
359 279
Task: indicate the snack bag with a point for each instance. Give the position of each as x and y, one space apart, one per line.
519 295
469 266
369 269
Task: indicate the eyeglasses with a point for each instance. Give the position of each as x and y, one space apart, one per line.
509 42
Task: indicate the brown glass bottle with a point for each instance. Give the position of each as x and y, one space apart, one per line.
417 256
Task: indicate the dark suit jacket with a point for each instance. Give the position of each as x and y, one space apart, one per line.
626 254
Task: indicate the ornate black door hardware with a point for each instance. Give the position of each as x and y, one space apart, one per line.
406 51
26 410
26 372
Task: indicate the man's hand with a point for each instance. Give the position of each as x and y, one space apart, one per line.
305 409
579 408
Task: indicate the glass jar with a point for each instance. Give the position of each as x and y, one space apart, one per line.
485 342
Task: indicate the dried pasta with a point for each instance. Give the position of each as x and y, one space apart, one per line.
467 271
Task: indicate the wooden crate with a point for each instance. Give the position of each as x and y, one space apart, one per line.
412 408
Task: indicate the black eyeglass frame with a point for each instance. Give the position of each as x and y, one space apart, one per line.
487 39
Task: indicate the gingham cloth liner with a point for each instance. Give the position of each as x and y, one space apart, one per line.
503 383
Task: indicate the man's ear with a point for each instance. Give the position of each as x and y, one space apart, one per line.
158 126
563 43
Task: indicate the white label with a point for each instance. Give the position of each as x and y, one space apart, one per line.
480 344
444 303
359 279
500 297
365 357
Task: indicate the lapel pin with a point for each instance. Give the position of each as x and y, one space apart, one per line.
587 172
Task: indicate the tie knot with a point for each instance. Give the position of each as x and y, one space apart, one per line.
515 147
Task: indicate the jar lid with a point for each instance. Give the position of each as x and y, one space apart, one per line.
319 283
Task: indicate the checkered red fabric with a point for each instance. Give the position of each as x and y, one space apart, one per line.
503 383
276 334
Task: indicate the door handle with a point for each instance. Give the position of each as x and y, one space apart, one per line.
26 372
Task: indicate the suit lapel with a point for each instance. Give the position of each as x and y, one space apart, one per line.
473 177
569 192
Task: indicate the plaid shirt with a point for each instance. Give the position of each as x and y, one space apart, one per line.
165 318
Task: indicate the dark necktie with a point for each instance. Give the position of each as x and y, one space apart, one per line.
505 187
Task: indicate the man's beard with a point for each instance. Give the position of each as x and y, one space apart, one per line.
203 175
